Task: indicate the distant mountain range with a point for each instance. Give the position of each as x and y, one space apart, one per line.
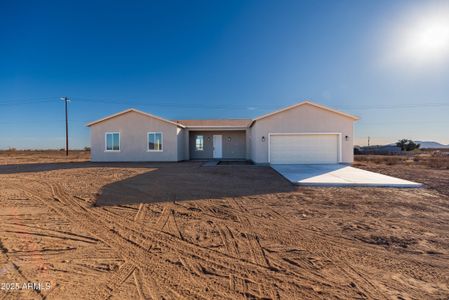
427 145
431 145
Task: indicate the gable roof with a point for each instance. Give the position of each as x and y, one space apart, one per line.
304 103
223 122
216 123
136 111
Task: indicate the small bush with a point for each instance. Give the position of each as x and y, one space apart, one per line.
382 159
438 163
391 161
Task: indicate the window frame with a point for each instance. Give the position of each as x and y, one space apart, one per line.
148 141
202 144
106 141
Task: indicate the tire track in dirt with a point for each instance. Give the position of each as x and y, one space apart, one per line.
78 237
171 242
141 213
8 266
83 253
253 240
167 223
45 235
146 287
117 234
131 250
226 264
246 265
228 239
349 271
214 258
266 288
163 218
117 280
329 239
142 257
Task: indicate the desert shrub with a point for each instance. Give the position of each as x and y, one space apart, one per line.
377 160
391 161
438 162
380 159
86 148
361 157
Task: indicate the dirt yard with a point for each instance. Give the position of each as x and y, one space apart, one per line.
180 230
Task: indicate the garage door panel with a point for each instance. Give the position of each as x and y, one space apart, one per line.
304 148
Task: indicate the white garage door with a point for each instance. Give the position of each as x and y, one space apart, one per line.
304 149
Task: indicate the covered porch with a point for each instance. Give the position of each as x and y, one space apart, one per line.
218 144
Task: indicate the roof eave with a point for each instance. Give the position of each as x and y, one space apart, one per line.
355 118
137 111
218 127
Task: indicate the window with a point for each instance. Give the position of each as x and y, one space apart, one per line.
199 143
154 141
112 141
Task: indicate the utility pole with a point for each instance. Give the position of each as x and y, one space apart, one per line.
66 99
368 141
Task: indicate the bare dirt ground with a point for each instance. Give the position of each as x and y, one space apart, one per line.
183 231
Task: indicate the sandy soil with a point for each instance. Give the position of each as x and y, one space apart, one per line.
153 231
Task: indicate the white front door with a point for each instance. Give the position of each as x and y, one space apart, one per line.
217 146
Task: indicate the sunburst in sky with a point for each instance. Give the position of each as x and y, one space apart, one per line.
420 38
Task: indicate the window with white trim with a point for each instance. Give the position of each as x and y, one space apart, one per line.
112 141
155 142
199 143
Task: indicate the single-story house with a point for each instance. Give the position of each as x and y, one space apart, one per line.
304 133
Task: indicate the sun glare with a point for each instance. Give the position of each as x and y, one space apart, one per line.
421 38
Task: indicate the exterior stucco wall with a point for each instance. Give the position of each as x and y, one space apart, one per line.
233 149
248 143
302 119
181 137
133 128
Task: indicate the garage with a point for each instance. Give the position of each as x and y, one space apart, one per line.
304 148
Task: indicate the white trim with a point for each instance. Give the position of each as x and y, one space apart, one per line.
106 141
303 103
208 128
148 141
339 134
218 126
137 111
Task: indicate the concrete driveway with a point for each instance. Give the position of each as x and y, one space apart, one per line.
339 175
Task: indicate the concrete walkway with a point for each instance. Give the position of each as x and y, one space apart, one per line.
339 175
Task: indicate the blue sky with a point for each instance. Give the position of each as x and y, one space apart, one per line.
220 59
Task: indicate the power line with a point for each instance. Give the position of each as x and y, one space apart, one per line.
28 100
216 106
254 106
173 104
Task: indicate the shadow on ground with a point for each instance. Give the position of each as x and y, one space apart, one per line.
52 166
191 181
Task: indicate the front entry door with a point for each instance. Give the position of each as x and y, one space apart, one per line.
217 145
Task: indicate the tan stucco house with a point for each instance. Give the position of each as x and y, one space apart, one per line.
304 133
